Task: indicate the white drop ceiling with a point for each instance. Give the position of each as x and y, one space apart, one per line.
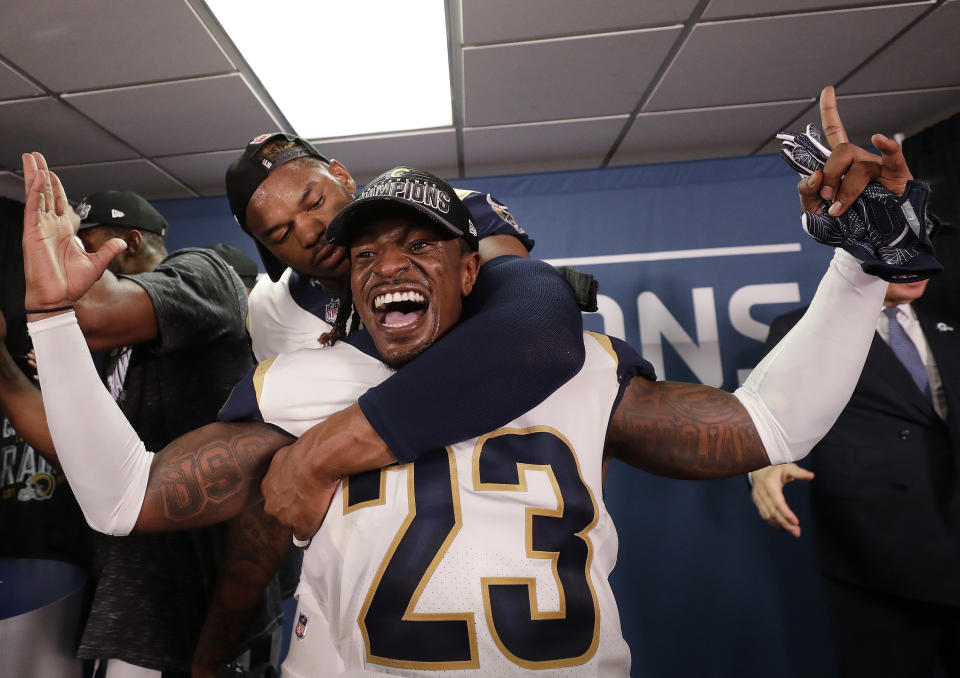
150 96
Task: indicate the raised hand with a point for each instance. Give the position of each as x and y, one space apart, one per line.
58 270
867 204
850 168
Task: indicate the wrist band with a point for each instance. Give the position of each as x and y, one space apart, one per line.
29 311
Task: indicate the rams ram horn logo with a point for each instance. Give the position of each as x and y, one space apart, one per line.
39 486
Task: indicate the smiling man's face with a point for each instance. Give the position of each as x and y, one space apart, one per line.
408 281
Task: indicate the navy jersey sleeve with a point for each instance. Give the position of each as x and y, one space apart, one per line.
629 365
242 404
521 340
492 217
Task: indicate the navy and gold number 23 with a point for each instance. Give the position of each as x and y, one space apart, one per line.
397 636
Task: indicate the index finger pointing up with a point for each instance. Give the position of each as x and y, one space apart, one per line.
830 118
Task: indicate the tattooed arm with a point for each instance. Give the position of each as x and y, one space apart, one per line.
256 546
684 431
208 475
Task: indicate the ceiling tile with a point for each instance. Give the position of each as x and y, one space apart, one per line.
203 172
11 186
139 176
483 20
897 67
539 147
366 157
725 9
895 113
83 44
202 114
898 112
562 78
61 134
706 133
773 59
15 86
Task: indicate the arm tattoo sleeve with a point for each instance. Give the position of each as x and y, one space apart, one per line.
684 431
256 546
208 475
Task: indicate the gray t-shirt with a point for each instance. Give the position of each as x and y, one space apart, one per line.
152 590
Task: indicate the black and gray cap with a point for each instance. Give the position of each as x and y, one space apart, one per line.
120 208
246 173
405 189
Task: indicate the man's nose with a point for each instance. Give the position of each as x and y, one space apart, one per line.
308 230
392 261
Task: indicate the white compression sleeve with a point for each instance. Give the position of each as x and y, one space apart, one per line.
799 389
105 461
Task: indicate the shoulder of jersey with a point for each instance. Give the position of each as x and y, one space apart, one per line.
303 385
484 207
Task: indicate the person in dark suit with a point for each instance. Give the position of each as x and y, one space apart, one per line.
886 520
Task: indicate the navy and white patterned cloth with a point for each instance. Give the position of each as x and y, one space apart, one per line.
890 235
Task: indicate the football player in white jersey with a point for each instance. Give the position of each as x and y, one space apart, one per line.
284 192
539 601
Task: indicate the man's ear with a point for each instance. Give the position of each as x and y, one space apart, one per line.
470 268
134 240
342 174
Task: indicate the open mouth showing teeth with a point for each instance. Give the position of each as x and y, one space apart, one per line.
399 309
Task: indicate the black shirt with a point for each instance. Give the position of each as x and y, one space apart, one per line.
153 589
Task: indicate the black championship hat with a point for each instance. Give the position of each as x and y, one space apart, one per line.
246 173
405 189
120 208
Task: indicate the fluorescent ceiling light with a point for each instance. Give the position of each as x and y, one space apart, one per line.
346 68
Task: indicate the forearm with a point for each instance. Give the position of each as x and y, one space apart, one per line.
798 390
256 547
22 403
115 312
105 461
345 444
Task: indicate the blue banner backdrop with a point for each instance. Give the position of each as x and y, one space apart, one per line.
694 260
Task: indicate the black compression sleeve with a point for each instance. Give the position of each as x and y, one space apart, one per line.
520 341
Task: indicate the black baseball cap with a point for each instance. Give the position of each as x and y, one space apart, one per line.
246 173
244 266
120 208
405 189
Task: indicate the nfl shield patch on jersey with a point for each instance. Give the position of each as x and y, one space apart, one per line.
301 627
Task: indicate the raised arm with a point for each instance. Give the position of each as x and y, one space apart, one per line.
787 404
794 396
202 477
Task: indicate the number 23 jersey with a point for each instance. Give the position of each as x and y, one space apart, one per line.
489 557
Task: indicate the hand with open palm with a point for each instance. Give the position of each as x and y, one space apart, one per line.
57 269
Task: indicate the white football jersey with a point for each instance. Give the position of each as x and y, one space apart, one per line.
490 555
289 314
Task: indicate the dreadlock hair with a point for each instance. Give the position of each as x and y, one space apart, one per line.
346 313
